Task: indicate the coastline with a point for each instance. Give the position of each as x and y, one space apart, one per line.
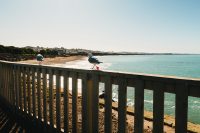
169 121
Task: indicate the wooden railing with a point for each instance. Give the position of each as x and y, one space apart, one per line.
38 92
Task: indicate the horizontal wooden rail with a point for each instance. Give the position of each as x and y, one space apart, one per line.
39 91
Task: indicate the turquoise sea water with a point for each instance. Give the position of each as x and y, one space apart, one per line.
173 65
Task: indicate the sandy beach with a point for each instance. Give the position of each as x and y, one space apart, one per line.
169 121
56 60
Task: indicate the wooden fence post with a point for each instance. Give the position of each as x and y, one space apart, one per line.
87 93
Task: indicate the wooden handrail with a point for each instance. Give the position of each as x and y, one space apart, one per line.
36 90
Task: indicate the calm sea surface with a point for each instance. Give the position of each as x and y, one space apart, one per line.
172 65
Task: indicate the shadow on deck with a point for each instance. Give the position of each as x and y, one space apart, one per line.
9 124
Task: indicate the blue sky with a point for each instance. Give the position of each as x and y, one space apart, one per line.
109 25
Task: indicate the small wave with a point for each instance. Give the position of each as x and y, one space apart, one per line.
149 101
195 107
196 102
172 107
83 64
130 103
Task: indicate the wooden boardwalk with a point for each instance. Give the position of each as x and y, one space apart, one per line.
8 124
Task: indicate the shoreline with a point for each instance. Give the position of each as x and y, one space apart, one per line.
56 60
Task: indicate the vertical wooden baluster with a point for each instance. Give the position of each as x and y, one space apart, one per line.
58 87
12 74
51 113
181 108
17 86
95 105
9 84
84 103
20 87
6 85
66 102
24 89
1 75
2 80
108 104
28 90
33 92
13 92
5 76
158 108
5 81
44 95
139 106
87 92
74 102
122 94
39 92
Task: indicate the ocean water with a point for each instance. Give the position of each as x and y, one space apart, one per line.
172 65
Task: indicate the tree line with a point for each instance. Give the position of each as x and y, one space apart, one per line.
26 51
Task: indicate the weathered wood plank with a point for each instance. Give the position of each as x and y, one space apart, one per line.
108 105
24 89
84 103
66 102
1 78
51 105
33 92
6 82
95 106
29 90
20 87
17 86
58 87
122 94
14 85
44 95
181 110
139 106
74 103
86 120
158 108
39 93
